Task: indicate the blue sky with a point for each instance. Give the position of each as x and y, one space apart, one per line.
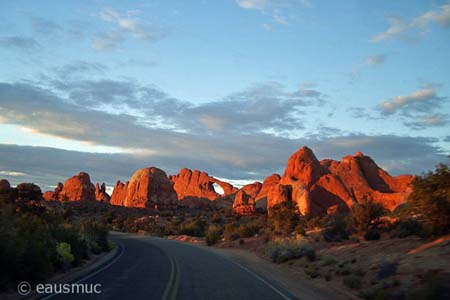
229 87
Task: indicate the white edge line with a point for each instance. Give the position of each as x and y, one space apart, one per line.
91 274
262 280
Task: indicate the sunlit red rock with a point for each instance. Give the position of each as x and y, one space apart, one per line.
119 193
331 186
78 188
243 204
100 193
190 183
150 188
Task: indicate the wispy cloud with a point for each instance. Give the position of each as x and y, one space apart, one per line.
411 101
126 25
398 28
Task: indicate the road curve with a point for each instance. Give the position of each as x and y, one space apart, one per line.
154 268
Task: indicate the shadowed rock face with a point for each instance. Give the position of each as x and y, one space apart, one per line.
331 186
243 204
148 187
190 183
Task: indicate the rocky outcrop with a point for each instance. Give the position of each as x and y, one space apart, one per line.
147 188
252 189
195 202
54 196
244 204
28 192
331 186
77 188
100 193
268 183
6 192
199 184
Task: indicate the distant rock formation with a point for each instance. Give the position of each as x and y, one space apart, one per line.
243 203
199 184
269 182
77 188
147 188
333 186
100 193
54 196
119 193
28 192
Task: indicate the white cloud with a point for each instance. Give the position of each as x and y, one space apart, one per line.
12 173
252 4
126 24
401 102
397 28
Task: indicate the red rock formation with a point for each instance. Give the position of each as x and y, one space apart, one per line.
190 183
77 188
252 189
244 204
4 186
148 187
100 193
269 182
53 196
119 193
333 186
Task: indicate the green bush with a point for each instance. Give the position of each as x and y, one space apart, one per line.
247 230
195 228
212 235
366 215
65 257
284 217
336 230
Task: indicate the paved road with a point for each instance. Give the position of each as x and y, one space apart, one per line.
153 268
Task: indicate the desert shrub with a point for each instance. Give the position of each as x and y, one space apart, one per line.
67 233
366 215
372 235
429 202
194 228
230 232
354 282
386 269
212 235
405 228
336 230
286 249
247 230
300 229
96 236
312 272
329 261
434 289
284 217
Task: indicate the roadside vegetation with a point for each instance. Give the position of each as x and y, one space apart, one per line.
36 241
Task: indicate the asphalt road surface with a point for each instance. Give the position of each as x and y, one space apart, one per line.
153 268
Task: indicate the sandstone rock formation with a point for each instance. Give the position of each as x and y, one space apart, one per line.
119 193
77 188
244 204
268 183
333 186
190 183
148 187
195 202
100 193
252 189
53 196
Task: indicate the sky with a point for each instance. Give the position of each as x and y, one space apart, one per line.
230 87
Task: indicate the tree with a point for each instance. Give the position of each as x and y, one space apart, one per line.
284 217
429 202
365 215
